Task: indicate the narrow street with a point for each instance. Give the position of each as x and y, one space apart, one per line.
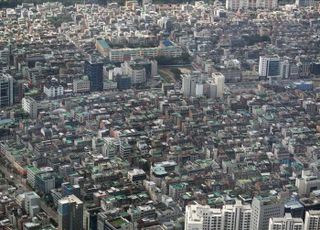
21 182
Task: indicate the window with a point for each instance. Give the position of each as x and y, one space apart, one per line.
4 92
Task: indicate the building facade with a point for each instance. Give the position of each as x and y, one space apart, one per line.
81 85
219 82
237 216
30 106
285 223
312 220
304 3
269 67
32 203
230 217
166 48
6 90
307 183
70 213
94 70
251 4
137 72
264 208
200 217
189 82
53 89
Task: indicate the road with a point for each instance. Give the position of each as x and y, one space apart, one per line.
19 181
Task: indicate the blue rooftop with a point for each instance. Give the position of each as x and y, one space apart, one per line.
167 43
293 204
103 43
6 121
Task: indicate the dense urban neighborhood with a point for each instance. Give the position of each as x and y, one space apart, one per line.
153 116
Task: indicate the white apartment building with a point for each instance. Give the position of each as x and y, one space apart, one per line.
219 82
154 68
32 203
210 88
236 217
199 89
31 175
230 217
239 4
266 4
312 220
53 89
264 208
30 106
195 85
81 85
109 85
307 183
265 213
199 217
137 73
251 4
285 223
285 69
189 83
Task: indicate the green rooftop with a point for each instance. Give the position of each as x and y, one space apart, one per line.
33 169
179 186
159 171
118 222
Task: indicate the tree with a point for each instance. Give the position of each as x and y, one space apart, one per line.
57 21
251 40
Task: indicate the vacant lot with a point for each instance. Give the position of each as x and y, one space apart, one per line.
172 75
